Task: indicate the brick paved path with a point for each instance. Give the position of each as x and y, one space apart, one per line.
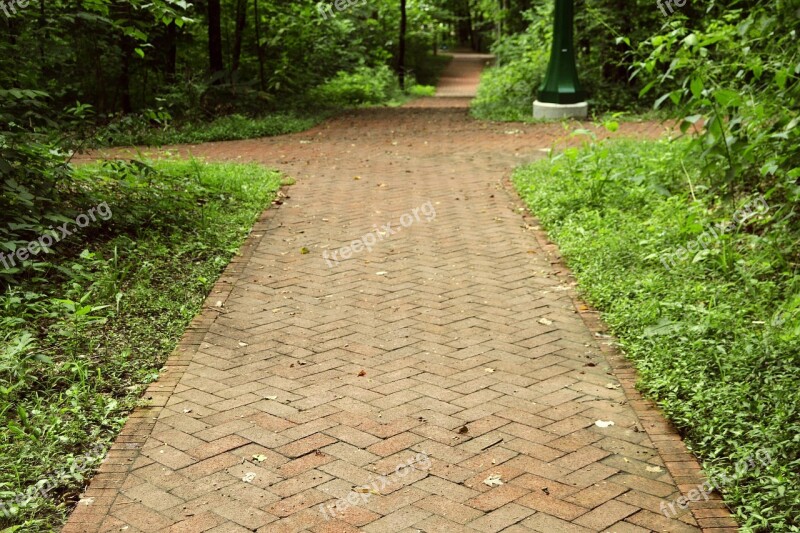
451 352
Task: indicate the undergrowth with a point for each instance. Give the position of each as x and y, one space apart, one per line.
88 323
714 329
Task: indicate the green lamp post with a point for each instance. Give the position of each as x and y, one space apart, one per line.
561 94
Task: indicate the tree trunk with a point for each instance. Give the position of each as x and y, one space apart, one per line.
215 38
259 48
172 52
472 32
238 35
401 55
42 32
127 47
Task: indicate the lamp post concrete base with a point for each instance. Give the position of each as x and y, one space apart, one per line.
550 111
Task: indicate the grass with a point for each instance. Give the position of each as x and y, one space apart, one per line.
137 131
714 335
90 325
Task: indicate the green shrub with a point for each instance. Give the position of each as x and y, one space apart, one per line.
507 90
421 90
737 72
363 86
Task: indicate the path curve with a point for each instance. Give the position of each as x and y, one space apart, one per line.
449 353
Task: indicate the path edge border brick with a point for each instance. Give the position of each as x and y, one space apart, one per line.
104 483
712 516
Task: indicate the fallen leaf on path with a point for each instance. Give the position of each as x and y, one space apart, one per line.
603 423
463 429
493 480
362 373
303 250
545 321
260 458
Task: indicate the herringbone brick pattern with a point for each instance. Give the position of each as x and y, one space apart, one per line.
457 338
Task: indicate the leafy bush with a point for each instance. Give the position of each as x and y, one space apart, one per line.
363 86
37 189
421 90
508 89
715 335
734 76
507 92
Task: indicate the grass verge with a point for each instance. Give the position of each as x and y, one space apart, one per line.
91 324
135 130
713 328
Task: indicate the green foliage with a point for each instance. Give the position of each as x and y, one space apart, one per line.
138 130
363 86
133 56
421 90
82 336
606 32
714 335
734 75
507 90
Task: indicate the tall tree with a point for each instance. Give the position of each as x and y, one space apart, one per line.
171 58
401 55
238 34
259 47
215 37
